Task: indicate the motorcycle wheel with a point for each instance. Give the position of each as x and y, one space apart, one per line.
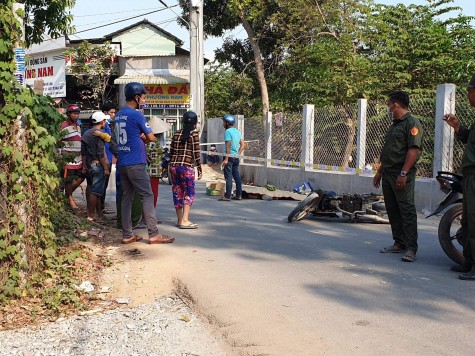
169 175
303 208
450 233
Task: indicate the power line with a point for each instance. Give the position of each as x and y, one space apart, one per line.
112 13
115 22
103 22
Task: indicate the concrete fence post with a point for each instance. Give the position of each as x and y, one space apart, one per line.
268 118
308 134
361 135
240 127
444 134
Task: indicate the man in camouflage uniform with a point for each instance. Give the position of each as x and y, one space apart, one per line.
467 136
401 150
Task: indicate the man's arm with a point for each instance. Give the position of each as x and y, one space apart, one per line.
150 137
227 151
83 157
101 155
412 156
377 176
461 131
242 146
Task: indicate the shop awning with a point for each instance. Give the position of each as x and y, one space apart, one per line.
154 76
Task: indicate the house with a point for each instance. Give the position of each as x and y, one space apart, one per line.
152 56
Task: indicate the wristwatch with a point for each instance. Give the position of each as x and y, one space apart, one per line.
403 173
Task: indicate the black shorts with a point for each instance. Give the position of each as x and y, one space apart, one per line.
71 175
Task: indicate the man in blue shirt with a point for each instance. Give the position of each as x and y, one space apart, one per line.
234 147
132 132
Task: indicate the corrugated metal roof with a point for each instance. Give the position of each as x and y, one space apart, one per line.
154 76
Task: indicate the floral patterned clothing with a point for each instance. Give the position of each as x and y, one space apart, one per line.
183 188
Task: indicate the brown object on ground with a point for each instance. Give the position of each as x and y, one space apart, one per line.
133 238
161 239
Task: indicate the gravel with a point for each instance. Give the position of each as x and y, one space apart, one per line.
166 327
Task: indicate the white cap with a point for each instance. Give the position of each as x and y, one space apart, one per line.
97 117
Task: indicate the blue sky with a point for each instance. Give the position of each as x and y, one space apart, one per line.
104 12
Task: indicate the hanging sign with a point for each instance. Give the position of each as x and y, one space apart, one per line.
168 96
48 68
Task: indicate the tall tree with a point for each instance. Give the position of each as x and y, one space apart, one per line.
228 92
257 49
92 66
47 17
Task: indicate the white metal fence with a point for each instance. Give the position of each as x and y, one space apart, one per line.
350 137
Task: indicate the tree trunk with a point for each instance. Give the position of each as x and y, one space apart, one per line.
259 65
351 123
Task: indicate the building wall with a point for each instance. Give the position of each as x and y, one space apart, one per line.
166 62
145 40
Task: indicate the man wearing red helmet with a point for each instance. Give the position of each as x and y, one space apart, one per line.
71 152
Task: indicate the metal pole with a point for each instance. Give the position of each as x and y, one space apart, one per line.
197 61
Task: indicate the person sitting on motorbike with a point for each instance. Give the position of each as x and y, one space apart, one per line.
213 158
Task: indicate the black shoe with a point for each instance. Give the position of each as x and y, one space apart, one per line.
465 267
237 197
469 276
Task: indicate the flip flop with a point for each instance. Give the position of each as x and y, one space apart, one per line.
410 256
392 249
189 226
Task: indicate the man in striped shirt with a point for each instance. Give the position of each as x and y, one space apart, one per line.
71 152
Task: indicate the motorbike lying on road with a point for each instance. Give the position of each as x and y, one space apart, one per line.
356 207
450 229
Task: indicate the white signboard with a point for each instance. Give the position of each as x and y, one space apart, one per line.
48 68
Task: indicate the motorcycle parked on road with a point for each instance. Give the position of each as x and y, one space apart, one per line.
450 228
356 207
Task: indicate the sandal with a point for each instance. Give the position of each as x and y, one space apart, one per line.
393 249
410 256
188 226
133 238
160 239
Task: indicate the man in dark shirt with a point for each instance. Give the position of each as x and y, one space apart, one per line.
467 136
401 150
95 164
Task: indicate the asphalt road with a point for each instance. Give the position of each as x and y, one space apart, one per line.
315 287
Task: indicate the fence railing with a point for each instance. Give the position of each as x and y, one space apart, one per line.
335 131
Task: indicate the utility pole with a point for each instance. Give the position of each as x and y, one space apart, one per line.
20 139
197 60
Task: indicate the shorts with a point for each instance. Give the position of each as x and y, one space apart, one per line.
97 179
71 175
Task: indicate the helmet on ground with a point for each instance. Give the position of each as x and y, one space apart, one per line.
229 118
98 117
134 88
190 117
73 108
